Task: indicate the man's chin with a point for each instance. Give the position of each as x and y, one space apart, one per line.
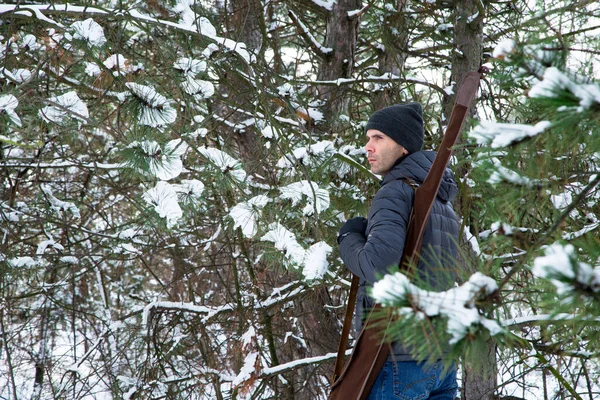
377 172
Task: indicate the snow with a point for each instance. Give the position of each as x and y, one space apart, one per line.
314 42
69 260
200 25
285 90
311 155
527 319
120 65
573 235
224 162
327 4
500 174
126 248
59 205
312 261
503 49
155 109
247 370
270 133
472 240
190 66
23 262
556 262
444 27
472 18
8 104
315 261
92 69
317 199
192 188
200 132
563 200
208 312
197 87
278 369
285 241
89 31
163 197
163 162
248 336
210 49
20 75
246 214
560 266
499 135
457 304
555 80
44 244
30 42
67 105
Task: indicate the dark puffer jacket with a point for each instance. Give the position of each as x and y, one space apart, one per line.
380 251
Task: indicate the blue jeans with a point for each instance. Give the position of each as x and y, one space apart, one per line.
408 380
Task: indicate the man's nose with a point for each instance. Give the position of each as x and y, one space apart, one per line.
369 147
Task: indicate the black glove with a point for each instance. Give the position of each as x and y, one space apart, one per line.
356 224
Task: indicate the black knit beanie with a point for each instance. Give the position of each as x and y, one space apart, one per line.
401 122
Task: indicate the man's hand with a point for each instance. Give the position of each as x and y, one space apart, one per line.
356 224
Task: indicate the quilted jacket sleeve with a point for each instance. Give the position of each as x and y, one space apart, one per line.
372 256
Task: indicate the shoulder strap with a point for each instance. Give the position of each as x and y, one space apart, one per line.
411 182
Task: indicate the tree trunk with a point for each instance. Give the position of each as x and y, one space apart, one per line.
467 51
342 32
466 57
481 384
245 24
393 59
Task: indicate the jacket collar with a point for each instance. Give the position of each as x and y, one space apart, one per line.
416 166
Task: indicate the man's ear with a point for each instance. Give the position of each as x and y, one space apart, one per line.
404 151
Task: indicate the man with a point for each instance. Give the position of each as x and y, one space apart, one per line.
371 247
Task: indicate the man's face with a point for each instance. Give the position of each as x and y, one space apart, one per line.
382 151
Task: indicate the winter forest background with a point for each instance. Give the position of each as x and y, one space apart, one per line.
174 174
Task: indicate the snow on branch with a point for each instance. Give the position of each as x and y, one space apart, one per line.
90 32
279 296
457 304
317 199
63 106
499 173
545 319
36 11
62 164
354 14
155 109
499 135
8 104
266 372
292 365
59 205
555 81
186 307
313 260
565 272
224 162
319 49
163 197
246 214
163 162
326 4
384 78
202 27
311 155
